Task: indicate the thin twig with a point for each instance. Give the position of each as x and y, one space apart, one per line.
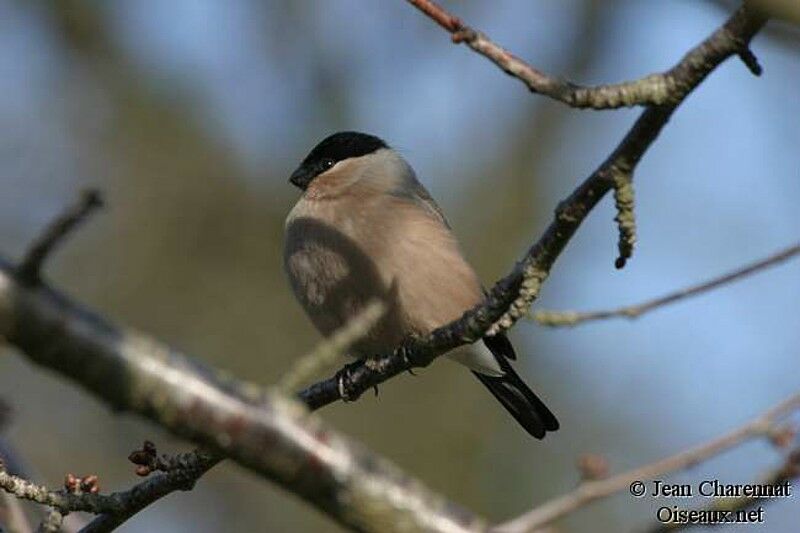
329 351
29 269
572 318
667 88
12 516
590 491
58 499
115 508
181 473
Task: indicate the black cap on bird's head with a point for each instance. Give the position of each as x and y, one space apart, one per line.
331 150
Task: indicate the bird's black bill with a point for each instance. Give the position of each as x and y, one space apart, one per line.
301 177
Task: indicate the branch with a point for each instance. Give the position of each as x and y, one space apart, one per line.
573 318
512 296
263 431
590 491
667 88
61 500
180 473
185 469
29 269
327 352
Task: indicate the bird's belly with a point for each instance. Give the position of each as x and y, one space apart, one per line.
321 280
334 280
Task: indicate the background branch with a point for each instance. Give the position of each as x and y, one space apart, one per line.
590 491
667 88
572 318
181 473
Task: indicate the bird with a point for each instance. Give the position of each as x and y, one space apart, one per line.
365 228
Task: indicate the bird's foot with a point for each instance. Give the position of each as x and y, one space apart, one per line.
406 351
372 363
344 379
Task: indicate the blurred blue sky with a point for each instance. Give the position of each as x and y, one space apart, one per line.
720 187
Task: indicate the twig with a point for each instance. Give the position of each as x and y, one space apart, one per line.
12 516
29 269
115 508
58 499
572 318
328 352
590 491
181 473
512 296
667 88
147 461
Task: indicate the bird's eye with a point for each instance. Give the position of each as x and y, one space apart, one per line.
327 163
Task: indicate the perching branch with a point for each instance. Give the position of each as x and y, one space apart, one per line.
573 318
512 296
667 88
590 491
263 431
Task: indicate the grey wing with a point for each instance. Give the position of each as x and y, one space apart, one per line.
416 192
431 205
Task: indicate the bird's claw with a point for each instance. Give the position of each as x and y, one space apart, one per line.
344 385
343 394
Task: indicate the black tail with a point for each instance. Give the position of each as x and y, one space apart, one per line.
514 394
